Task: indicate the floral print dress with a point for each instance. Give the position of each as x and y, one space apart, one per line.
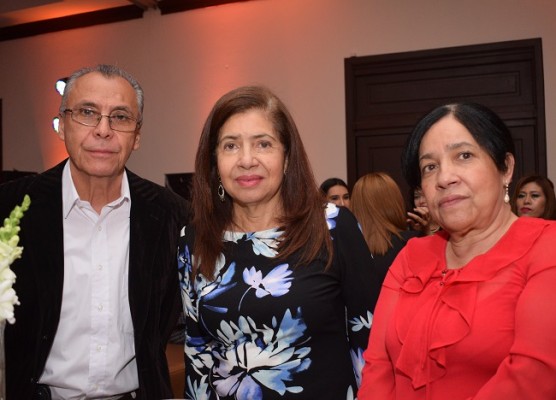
265 329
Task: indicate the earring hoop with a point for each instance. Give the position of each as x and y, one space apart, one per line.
221 191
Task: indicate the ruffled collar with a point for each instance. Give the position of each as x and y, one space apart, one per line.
423 354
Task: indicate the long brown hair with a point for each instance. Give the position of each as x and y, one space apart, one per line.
303 222
378 205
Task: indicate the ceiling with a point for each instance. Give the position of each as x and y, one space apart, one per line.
16 12
22 18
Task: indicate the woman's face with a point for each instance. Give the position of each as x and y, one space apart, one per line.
419 198
251 160
463 187
530 200
338 195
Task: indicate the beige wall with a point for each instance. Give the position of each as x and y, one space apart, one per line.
185 61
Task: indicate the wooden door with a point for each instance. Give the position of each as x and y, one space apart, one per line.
387 94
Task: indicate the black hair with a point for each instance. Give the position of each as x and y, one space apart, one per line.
330 182
486 127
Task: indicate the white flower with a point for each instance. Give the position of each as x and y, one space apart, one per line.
360 322
276 283
254 357
8 299
10 251
332 211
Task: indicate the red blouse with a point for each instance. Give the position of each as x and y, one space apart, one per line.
485 331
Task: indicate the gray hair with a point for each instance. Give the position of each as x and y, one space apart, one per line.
107 71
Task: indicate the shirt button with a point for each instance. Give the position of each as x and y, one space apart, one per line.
99 267
99 348
100 307
99 228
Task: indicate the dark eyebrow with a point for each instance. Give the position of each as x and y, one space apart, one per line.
232 136
227 137
451 146
265 135
455 146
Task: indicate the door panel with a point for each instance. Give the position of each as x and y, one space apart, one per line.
387 94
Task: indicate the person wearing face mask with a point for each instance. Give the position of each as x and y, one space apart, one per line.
336 191
534 197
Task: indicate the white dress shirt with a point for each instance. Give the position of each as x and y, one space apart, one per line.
93 354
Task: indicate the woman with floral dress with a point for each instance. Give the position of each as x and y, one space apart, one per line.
278 289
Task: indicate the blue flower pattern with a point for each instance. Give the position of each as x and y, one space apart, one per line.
245 358
276 283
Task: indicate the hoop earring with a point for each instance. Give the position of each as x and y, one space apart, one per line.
506 195
221 192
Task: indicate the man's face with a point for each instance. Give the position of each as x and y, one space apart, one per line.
99 152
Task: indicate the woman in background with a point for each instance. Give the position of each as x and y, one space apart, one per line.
534 197
378 205
420 218
270 276
467 313
336 191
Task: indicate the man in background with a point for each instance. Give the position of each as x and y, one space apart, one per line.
98 281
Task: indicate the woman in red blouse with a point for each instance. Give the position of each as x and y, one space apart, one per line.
467 313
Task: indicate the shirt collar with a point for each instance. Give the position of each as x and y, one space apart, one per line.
70 197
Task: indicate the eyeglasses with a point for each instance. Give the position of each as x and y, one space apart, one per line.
119 120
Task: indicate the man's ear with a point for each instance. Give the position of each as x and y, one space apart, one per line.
137 142
61 132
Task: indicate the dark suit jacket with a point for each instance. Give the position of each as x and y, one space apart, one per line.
157 215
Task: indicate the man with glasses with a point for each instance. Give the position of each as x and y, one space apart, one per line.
98 281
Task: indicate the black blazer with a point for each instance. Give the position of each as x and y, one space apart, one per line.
157 215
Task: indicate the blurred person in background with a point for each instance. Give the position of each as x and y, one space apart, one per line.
378 205
336 191
534 197
419 219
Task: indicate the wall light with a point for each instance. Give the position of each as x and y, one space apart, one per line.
61 85
55 123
